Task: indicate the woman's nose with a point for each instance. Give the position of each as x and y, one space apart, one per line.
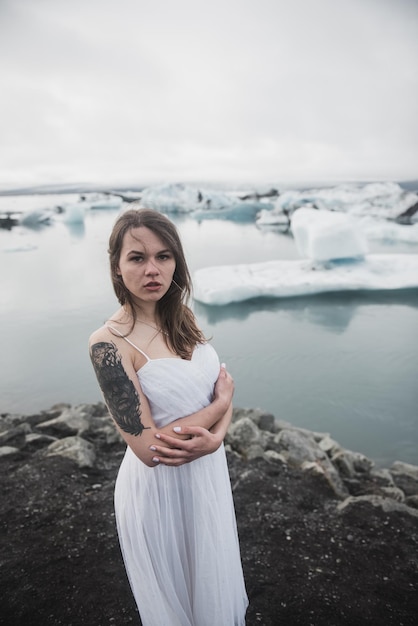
151 267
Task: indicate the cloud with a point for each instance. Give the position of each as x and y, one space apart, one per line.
260 91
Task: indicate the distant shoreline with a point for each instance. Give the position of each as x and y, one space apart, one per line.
84 187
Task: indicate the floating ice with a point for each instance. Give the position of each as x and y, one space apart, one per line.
326 235
74 213
235 283
382 200
37 218
335 248
334 242
104 201
375 206
179 198
236 210
273 218
201 204
383 230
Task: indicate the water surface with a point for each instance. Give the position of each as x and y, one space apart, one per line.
339 363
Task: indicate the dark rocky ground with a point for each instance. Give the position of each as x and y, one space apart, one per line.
305 562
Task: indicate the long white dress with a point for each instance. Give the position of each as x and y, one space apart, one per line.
176 525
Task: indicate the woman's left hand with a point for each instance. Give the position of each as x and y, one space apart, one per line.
181 451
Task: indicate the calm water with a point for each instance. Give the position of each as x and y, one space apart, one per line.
340 363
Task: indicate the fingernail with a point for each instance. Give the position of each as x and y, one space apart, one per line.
223 365
153 448
155 459
177 429
158 436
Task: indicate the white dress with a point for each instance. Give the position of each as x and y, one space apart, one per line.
176 525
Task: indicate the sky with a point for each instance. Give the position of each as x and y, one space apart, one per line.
222 91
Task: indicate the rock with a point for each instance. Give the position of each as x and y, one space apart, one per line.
350 463
405 476
70 422
412 501
298 447
254 451
400 468
59 407
382 477
35 440
328 445
38 418
274 457
14 434
388 505
395 493
75 448
242 434
8 451
266 422
103 428
312 466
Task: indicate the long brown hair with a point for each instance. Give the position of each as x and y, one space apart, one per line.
174 315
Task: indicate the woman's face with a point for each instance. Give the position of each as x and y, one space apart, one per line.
146 265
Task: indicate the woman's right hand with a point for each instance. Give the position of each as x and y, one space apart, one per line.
176 452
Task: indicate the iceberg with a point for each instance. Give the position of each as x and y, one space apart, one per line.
101 201
237 210
200 204
180 198
327 235
109 202
37 218
383 211
336 259
381 200
287 278
74 213
273 218
382 230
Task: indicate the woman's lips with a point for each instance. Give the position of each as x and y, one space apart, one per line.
153 286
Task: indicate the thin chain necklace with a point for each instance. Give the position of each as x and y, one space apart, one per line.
159 330
137 321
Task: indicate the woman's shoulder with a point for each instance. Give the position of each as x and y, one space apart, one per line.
100 335
104 333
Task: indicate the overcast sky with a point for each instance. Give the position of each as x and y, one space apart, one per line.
246 91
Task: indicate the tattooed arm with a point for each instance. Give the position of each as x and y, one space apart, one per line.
121 397
131 413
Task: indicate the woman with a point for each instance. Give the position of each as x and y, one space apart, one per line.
172 403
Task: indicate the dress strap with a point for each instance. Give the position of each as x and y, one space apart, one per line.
129 341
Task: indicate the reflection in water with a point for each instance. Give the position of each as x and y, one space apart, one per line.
332 311
76 229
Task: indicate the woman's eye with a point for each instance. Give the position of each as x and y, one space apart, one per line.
136 258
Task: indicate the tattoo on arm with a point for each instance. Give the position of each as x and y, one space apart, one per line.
119 391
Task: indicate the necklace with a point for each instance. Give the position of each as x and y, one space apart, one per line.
159 330
137 321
